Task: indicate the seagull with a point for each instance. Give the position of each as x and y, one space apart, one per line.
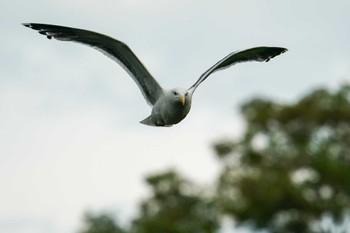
169 106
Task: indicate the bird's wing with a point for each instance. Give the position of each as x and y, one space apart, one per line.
253 54
116 50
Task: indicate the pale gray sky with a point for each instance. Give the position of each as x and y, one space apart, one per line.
69 133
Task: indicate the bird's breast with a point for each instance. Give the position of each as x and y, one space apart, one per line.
172 113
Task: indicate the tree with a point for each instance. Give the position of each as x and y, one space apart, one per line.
291 168
176 206
100 223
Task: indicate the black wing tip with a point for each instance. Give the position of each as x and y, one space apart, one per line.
276 51
28 25
32 26
283 50
279 49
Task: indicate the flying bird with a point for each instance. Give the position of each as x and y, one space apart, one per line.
169 106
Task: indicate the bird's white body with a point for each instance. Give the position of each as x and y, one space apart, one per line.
169 107
168 110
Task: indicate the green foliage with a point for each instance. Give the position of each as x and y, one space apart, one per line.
176 206
100 223
292 165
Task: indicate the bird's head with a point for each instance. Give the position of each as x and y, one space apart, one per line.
180 95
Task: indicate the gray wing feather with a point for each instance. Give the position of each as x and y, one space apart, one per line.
252 54
116 50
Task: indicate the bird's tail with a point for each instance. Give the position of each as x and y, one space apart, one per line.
148 121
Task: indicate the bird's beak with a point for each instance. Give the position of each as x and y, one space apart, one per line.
182 100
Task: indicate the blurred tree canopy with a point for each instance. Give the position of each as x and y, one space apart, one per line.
100 223
291 168
176 206
289 172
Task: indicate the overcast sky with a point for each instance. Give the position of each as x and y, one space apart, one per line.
69 133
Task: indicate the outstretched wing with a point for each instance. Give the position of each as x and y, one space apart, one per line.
116 50
253 54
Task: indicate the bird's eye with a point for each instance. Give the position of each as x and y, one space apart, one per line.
175 93
186 94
